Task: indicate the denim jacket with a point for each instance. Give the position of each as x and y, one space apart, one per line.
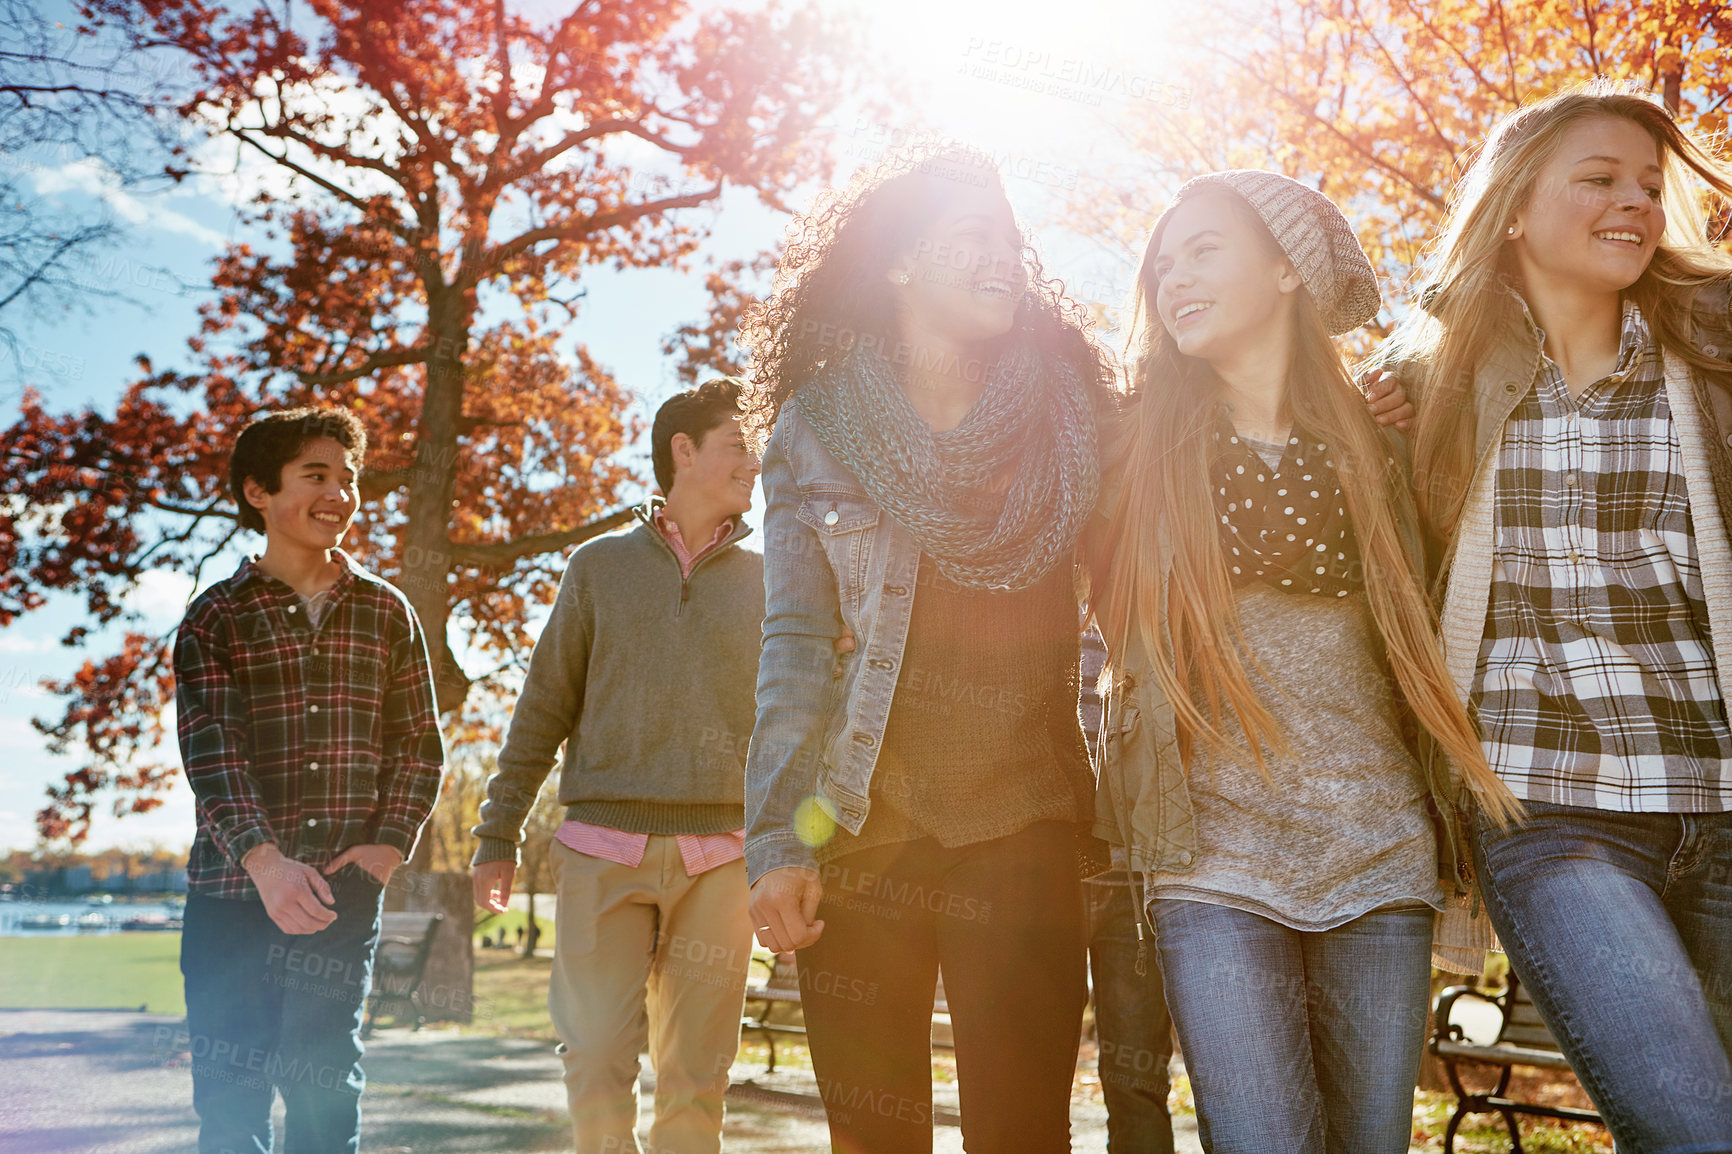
830 557
1144 802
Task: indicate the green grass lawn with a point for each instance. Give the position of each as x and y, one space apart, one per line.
489 925
95 972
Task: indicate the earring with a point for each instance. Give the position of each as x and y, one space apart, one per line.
899 277
1510 231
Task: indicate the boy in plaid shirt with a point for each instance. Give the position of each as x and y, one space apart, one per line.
309 734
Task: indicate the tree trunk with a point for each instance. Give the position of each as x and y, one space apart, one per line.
532 931
427 537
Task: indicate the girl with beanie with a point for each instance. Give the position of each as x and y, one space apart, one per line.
931 407
1278 696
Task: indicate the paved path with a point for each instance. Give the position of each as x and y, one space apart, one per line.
104 1082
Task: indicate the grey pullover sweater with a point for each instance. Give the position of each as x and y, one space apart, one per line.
647 678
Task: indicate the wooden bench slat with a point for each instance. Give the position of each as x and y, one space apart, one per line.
766 994
1529 1037
1525 1013
1503 1055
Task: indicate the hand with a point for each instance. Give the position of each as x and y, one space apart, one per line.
1387 399
295 896
492 881
785 908
844 645
379 860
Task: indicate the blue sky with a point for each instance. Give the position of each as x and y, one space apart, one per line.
995 74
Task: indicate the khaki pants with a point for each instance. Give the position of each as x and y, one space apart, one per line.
648 955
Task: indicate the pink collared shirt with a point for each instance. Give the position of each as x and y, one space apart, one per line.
671 533
700 852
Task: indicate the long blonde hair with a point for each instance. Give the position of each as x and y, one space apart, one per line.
1165 462
1468 303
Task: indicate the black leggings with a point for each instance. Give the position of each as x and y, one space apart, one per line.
1005 920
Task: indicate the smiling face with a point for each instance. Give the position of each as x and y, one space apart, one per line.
1594 217
1218 285
963 279
719 469
315 501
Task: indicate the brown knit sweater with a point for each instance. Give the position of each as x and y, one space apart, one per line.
983 738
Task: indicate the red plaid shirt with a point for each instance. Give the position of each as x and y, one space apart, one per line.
316 739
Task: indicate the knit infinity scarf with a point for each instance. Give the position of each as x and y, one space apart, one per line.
1285 527
996 502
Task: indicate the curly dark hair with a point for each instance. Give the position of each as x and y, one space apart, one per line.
272 441
831 290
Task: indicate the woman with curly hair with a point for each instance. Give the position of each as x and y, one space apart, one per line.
931 407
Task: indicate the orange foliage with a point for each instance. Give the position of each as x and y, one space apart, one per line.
452 171
1379 102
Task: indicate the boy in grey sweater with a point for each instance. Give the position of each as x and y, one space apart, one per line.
645 673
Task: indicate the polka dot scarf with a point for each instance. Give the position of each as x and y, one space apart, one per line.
1285 527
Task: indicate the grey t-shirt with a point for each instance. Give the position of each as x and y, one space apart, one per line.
1342 828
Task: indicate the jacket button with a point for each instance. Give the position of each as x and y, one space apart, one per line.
1185 857
882 663
832 517
1509 387
1729 440
863 738
898 590
1711 350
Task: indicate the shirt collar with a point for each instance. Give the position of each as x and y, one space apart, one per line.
659 518
1634 335
249 573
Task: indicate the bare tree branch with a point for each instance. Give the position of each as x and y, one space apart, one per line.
505 552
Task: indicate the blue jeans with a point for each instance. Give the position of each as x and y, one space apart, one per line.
1620 925
1131 1023
270 1011
1296 1042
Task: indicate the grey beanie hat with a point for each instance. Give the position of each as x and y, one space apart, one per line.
1314 235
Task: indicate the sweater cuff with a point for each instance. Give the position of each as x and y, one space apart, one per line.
491 849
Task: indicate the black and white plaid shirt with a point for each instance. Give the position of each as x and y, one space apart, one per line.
1596 682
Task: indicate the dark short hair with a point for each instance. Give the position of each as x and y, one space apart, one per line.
271 442
694 412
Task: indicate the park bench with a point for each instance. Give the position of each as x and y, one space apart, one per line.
1523 1039
781 987
405 944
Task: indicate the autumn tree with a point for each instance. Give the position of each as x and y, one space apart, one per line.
1379 103
433 183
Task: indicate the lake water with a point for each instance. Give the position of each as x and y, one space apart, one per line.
75 916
